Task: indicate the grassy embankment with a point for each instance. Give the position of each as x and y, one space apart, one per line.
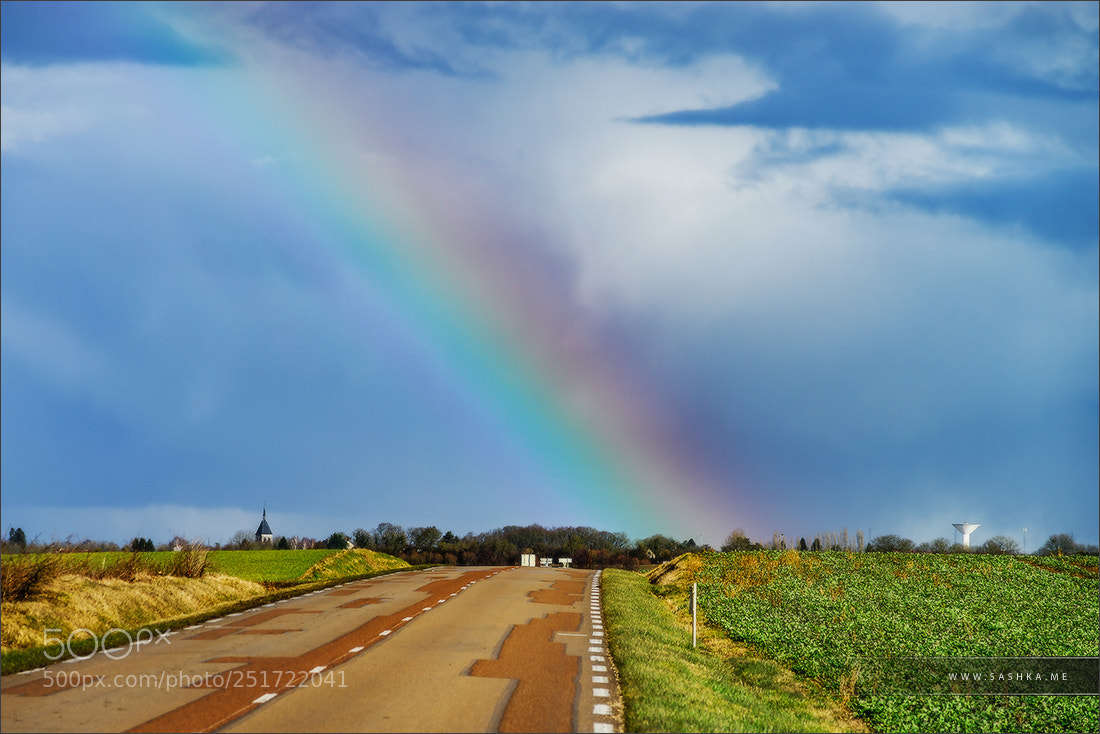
669 686
79 597
832 617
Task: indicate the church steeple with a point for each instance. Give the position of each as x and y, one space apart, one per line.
263 533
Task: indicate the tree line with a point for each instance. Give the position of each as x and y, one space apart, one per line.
1057 544
586 547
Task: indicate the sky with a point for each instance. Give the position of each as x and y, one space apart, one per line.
650 268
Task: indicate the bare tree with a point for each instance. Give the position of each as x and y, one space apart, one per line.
242 540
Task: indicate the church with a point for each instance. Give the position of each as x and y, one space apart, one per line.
263 533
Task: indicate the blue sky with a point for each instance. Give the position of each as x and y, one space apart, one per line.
799 267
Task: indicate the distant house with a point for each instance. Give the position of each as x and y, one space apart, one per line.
263 533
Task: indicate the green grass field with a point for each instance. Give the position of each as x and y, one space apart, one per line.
288 566
267 565
820 613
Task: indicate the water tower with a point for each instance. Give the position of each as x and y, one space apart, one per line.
966 528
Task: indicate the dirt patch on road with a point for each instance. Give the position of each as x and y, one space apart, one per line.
564 593
547 677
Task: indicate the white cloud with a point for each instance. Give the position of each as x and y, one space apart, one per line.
40 104
953 16
19 127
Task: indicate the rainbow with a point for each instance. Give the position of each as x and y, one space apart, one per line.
489 317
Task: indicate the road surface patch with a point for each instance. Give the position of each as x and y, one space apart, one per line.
546 677
360 603
564 593
223 705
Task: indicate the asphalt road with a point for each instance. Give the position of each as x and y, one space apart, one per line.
448 649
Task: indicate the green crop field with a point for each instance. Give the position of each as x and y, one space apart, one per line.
284 566
821 613
267 565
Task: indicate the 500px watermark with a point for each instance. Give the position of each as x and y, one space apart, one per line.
167 681
116 643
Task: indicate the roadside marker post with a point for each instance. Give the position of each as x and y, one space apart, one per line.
694 598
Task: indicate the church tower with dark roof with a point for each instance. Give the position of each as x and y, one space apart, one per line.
263 533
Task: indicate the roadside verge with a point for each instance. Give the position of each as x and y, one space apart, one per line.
126 624
667 685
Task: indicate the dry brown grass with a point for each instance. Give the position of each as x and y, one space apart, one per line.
680 570
23 577
74 602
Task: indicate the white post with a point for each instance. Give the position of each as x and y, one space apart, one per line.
694 597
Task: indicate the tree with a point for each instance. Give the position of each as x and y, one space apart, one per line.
283 543
389 538
802 544
890 544
1000 545
361 538
816 545
737 541
16 536
242 540
939 545
662 547
139 545
1061 544
425 539
337 541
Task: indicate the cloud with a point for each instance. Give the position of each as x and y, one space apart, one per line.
1000 174
831 74
20 127
42 33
